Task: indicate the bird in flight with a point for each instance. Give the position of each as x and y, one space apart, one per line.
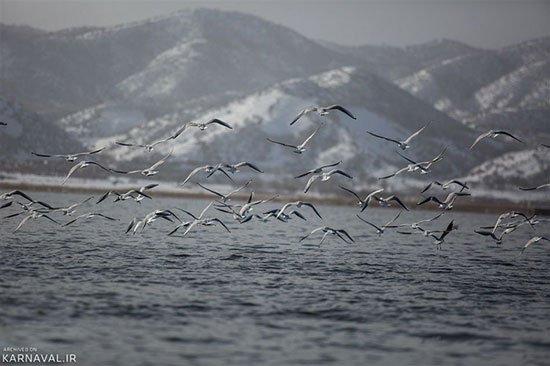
403 144
298 149
322 111
69 157
493 134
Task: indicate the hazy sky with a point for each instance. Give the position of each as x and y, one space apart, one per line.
482 23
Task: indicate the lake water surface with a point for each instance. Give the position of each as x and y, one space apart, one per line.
256 296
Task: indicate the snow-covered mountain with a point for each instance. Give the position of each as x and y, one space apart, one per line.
140 81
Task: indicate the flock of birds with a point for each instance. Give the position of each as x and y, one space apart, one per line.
506 223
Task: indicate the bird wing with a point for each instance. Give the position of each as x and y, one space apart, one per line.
128 144
221 223
304 174
205 209
73 169
346 234
89 152
341 172
508 134
427 187
341 109
310 137
294 212
352 192
304 111
161 161
313 208
281 143
191 225
406 158
312 232
244 163
44 155
25 219
394 174
312 179
370 223
396 199
392 220
240 188
219 122
416 133
479 138
193 172
385 138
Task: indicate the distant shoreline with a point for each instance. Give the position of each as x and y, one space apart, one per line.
466 205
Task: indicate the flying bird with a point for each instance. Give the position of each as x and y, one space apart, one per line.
137 194
225 197
533 240
298 204
84 164
403 144
89 215
150 147
234 168
34 215
546 185
440 239
324 176
210 169
69 157
147 171
204 126
423 166
449 201
298 149
342 234
318 170
446 185
380 229
322 111
493 134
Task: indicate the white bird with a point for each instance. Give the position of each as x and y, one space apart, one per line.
323 111
440 239
137 194
493 134
69 157
298 204
380 229
298 149
84 164
204 126
328 230
384 202
225 197
403 144
197 220
234 168
136 224
34 215
416 225
533 240
148 171
9 195
497 239
423 166
211 169
68 211
324 176
89 215
446 185
546 185
318 170
449 201
150 147
281 216
511 214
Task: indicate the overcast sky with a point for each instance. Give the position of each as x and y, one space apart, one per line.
487 23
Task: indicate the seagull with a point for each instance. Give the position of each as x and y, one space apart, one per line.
137 195
380 229
511 214
449 201
318 170
33 215
298 204
84 164
403 145
324 177
299 148
204 126
211 169
423 166
492 134
234 168
244 209
89 215
439 240
198 220
135 224
416 225
533 240
150 147
328 230
546 185
68 211
9 195
323 111
7 204
497 239
148 171
446 185
225 197
281 216
70 157
384 202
